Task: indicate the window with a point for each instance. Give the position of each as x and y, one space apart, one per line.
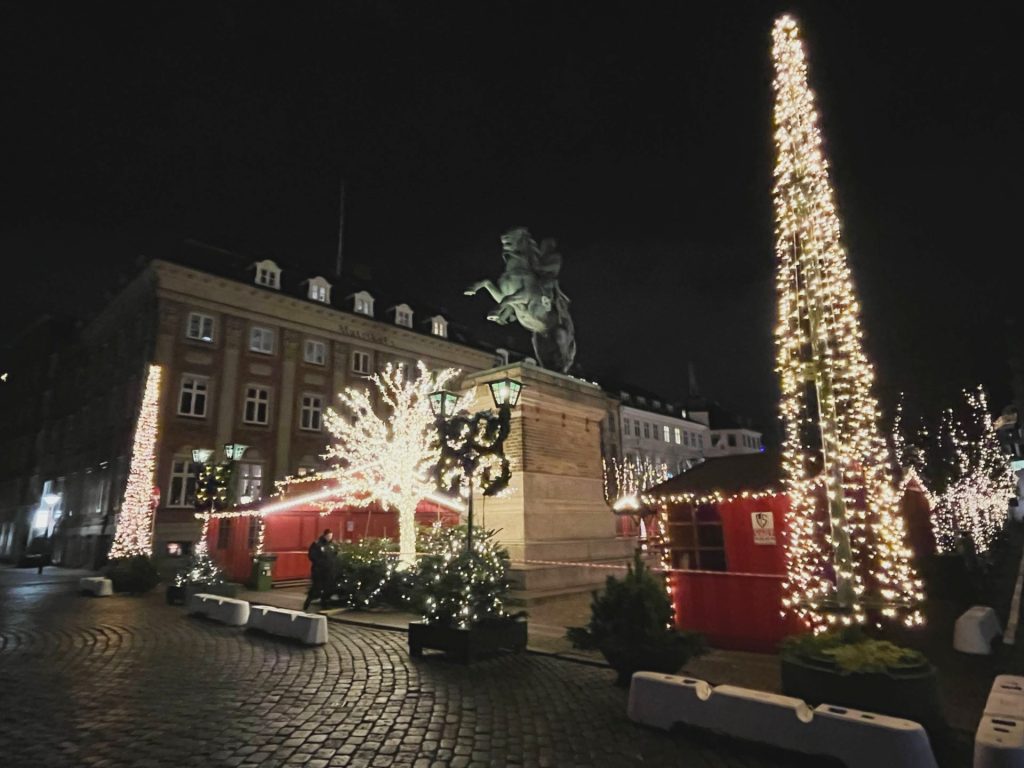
732 440
439 326
361 363
315 352
200 327
249 479
223 532
312 412
363 303
261 340
666 434
192 400
268 274
257 405
636 429
403 315
700 440
679 436
183 483
696 537
320 290
625 426
647 429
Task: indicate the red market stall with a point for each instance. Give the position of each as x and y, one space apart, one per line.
288 530
726 527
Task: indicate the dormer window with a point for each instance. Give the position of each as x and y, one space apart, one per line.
320 290
268 274
403 315
363 303
439 326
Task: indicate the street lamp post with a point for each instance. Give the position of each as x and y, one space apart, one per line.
473 444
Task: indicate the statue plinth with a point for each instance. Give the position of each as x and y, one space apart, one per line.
554 510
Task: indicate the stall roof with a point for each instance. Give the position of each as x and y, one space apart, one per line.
728 475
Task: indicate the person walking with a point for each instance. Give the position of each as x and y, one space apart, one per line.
321 552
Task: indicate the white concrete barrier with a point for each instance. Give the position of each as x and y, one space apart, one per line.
226 610
310 628
97 586
975 630
867 740
1011 684
999 743
859 739
1001 704
662 700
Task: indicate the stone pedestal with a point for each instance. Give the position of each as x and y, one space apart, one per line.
554 513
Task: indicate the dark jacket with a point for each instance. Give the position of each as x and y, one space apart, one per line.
320 555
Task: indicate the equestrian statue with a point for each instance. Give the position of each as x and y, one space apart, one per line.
528 292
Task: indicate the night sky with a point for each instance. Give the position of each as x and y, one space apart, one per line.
636 134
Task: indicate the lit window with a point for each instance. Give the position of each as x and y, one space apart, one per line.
666 433
200 327
257 405
261 340
249 479
403 315
320 290
268 274
192 399
312 412
361 363
183 483
315 352
679 436
363 303
439 326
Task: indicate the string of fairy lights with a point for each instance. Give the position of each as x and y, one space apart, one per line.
857 558
133 534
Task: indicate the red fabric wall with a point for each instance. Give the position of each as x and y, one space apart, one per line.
289 534
737 611
741 553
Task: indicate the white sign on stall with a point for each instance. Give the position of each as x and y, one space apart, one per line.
764 527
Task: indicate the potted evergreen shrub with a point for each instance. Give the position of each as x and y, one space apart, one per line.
363 571
848 668
461 596
631 625
201 574
135 575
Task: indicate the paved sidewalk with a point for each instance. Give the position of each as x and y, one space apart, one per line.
134 682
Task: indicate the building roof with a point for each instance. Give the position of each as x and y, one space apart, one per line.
728 475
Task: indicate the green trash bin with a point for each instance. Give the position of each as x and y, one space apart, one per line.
262 565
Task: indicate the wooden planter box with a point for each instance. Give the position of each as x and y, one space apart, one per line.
180 595
467 645
911 694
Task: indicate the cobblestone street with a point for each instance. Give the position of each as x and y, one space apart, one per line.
133 682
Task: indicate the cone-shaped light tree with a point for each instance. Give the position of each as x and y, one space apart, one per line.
846 551
133 534
387 459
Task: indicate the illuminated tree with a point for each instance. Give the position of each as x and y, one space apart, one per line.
631 477
133 534
973 503
834 454
388 459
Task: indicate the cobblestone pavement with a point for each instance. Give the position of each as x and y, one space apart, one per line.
133 682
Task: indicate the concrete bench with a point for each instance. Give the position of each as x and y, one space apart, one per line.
309 628
999 743
226 610
97 586
975 630
859 739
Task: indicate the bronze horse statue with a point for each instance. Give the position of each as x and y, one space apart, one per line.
528 291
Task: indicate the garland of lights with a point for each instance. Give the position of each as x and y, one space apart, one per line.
387 460
134 532
831 438
630 478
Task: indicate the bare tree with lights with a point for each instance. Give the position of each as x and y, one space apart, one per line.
388 459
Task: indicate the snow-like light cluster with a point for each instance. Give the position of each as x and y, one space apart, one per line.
857 557
133 534
628 478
